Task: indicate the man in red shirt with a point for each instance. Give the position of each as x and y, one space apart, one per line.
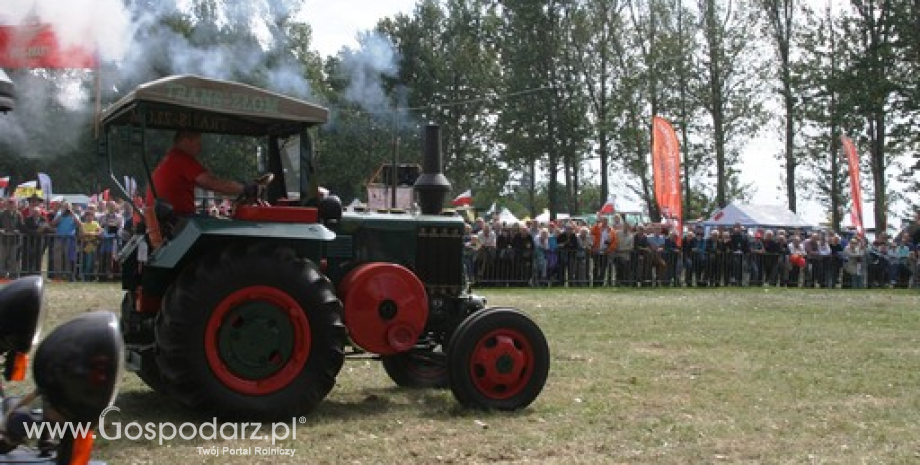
177 175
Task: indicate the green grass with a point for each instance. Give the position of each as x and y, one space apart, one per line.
638 376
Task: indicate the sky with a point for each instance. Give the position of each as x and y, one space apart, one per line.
335 25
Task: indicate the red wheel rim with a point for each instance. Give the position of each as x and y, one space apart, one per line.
501 363
264 311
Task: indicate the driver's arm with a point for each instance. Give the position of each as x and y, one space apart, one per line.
223 186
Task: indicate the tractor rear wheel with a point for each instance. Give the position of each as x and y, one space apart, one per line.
498 359
252 332
417 368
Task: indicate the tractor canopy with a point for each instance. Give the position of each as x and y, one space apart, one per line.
212 106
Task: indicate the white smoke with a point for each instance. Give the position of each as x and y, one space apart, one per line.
102 25
134 46
366 68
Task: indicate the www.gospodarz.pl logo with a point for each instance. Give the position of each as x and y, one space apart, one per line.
167 431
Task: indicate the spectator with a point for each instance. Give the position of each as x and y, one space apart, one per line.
739 247
541 257
11 222
898 255
568 248
689 253
112 222
854 267
552 258
670 255
32 202
583 256
797 260
836 260
64 247
605 241
35 229
623 255
821 267
523 258
756 259
486 256
643 253
772 252
877 262
90 234
782 264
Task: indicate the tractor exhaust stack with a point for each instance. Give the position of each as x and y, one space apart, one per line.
432 187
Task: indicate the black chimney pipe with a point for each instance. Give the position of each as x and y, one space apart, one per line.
432 187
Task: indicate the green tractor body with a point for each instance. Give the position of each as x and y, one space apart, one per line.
254 315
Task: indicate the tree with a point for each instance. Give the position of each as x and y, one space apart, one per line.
732 71
870 84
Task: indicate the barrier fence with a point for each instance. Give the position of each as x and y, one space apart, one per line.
645 268
66 258
71 258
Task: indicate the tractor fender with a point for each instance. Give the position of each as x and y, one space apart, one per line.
385 307
171 253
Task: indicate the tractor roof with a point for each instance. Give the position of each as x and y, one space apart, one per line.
213 106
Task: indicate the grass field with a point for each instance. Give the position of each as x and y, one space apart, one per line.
672 376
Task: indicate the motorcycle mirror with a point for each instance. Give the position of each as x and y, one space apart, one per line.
78 367
21 314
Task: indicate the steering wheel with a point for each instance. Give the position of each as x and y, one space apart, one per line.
261 183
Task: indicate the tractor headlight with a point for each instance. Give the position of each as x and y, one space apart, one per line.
79 365
21 315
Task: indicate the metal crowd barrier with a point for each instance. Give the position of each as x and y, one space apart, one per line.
70 258
60 257
645 268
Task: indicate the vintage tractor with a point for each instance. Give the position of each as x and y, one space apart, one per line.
252 316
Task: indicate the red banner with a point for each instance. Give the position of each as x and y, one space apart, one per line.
37 46
855 190
666 166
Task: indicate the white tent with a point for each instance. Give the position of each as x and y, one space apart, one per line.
757 216
507 218
543 218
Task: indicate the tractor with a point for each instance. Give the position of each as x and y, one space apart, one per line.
253 315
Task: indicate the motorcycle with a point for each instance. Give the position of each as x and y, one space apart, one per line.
76 371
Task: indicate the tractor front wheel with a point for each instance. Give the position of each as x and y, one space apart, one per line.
497 359
253 332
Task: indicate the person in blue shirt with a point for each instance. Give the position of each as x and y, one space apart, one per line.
66 224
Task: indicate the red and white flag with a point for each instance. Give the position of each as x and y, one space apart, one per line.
465 198
608 208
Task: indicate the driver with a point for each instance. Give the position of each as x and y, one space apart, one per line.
177 175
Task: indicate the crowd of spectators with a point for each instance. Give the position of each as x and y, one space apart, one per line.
68 242
612 252
81 243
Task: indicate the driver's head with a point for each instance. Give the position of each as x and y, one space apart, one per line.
188 141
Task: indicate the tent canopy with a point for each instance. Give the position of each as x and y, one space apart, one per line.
757 216
543 218
507 218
